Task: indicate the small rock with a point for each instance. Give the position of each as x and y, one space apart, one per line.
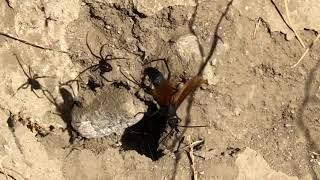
188 48
111 111
237 111
252 165
214 62
287 125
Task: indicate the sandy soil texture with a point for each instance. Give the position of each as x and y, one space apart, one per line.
72 104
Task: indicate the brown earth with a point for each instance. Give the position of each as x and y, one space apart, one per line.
261 114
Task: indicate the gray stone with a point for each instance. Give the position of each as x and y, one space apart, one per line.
111 111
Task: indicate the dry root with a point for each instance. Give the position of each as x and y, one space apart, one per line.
256 28
32 44
291 25
306 51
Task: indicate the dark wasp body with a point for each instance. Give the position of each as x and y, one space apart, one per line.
168 96
159 122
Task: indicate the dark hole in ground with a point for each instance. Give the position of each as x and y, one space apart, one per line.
144 136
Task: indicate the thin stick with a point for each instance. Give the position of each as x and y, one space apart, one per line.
7 175
194 172
191 157
21 175
289 21
317 154
256 28
193 144
307 50
32 44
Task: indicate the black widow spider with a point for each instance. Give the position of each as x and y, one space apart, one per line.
102 65
32 79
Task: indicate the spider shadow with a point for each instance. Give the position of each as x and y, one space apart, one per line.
312 144
64 109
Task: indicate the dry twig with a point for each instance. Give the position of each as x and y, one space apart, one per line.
191 156
32 44
306 51
256 28
290 24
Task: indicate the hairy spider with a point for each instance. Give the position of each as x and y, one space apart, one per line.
32 79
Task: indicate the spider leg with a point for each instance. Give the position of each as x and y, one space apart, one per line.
18 59
138 114
133 80
90 48
166 64
68 84
95 68
30 73
147 114
171 131
39 77
50 97
101 74
109 57
86 69
23 86
35 93
101 50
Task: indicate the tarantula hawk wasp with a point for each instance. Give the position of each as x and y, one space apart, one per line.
168 97
32 79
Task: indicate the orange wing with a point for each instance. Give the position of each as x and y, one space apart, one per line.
164 93
189 87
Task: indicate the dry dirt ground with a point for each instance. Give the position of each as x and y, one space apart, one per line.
261 114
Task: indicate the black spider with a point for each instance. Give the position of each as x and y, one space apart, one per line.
32 79
102 65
